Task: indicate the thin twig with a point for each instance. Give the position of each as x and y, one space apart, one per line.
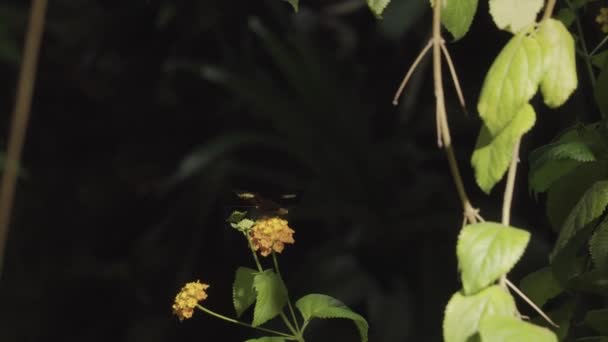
510 185
531 303
549 9
23 102
448 59
599 46
411 71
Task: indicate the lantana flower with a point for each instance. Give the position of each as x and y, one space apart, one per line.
270 234
187 299
602 19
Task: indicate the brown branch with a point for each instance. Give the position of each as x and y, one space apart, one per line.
23 101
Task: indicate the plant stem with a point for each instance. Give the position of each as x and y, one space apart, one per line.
20 118
255 256
232 320
510 185
291 310
599 46
549 9
586 57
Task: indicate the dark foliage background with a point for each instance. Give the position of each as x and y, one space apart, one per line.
148 114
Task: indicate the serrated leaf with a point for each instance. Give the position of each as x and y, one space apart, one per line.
457 16
322 306
511 82
509 329
294 4
589 207
463 313
540 286
566 16
236 216
267 339
553 161
598 247
378 6
493 153
559 60
597 320
243 293
270 299
487 251
601 89
514 15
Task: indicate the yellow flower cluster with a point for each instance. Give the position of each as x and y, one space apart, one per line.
271 234
187 299
602 19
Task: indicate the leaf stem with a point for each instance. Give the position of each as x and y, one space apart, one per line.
232 320
255 256
548 9
291 310
587 56
411 71
530 302
599 46
510 185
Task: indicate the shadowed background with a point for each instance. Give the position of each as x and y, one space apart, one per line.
148 115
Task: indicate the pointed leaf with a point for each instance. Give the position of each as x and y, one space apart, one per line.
493 153
457 16
322 306
598 247
589 207
463 313
559 79
600 59
294 4
511 82
514 15
597 320
566 16
509 329
540 286
378 6
487 251
243 293
271 297
267 339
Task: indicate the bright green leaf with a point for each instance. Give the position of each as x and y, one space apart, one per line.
601 89
509 329
597 320
511 82
322 306
600 59
598 247
559 61
493 154
566 16
553 161
589 207
514 15
294 4
271 297
267 339
487 251
463 313
243 293
457 16
540 286
378 6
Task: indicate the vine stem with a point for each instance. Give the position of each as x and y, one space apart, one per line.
23 103
291 310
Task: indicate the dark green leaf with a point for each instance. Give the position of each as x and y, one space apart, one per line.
271 297
243 293
540 286
294 4
597 320
566 16
598 247
601 89
600 59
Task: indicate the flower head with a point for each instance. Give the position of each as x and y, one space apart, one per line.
602 19
270 234
187 299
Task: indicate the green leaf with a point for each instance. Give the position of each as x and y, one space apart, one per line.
457 16
271 297
589 207
487 251
553 161
509 329
540 286
294 4
561 316
236 216
267 339
378 6
463 313
566 16
559 60
598 247
243 293
600 59
514 15
322 306
493 153
601 89
511 82
597 320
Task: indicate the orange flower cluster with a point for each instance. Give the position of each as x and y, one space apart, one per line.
602 19
271 234
187 299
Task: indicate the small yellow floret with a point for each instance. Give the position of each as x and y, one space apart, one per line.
187 299
271 234
602 19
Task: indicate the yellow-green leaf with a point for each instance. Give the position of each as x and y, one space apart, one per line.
457 16
509 329
378 6
514 15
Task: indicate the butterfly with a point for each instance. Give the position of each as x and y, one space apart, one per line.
261 206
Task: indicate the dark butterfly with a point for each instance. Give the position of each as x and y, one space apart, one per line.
260 206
